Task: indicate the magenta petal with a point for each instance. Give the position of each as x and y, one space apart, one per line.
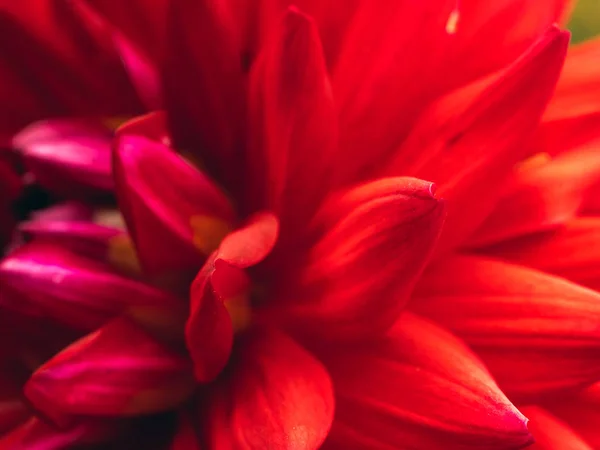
48 281
68 157
175 214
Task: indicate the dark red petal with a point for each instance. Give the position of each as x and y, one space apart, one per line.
52 56
185 437
52 283
293 128
38 435
13 410
469 142
536 333
378 96
372 244
419 388
572 251
581 412
152 126
542 197
117 371
68 157
203 84
175 214
551 433
276 396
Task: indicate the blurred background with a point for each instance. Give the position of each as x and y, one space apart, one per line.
585 22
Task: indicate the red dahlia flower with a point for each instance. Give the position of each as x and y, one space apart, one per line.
287 279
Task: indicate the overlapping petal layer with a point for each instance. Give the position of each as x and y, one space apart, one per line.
538 334
418 387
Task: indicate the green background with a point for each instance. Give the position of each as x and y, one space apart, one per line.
585 21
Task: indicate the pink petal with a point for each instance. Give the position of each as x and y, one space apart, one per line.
420 388
116 371
175 214
52 283
276 396
68 157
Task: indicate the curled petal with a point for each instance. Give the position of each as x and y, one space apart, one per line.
219 302
175 214
116 371
50 282
276 396
420 388
542 197
295 135
372 244
469 141
68 157
536 333
551 433
572 251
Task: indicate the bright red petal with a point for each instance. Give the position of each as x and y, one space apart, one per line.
276 396
468 145
293 130
116 371
542 197
377 96
175 214
536 333
551 433
572 251
372 243
418 388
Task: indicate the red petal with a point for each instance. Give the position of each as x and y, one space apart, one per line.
536 333
550 433
175 214
152 125
542 197
38 435
118 370
53 283
373 242
52 56
591 203
203 84
377 95
419 388
491 35
469 145
294 136
572 251
219 294
276 396
68 157
13 410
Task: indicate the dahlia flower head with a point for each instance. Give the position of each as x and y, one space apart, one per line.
248 225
